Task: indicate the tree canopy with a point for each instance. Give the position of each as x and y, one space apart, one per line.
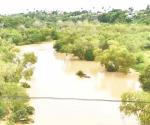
12 71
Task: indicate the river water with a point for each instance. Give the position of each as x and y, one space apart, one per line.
55 75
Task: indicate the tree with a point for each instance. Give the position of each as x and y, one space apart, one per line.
141 110
29 58
7 51
27 73
113 16
14 109
54 35
117 58
145 79
84 49
12 35
89 55
3 110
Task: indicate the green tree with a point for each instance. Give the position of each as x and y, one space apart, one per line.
12 35
113 16
54 35
138 108
29 58
145 79
3 110
117 58
14 109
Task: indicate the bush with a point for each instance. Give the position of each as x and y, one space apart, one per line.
139 67
139 58
20 115
27 74
11 72
29 58
25 85
3 110
117 58
111 67
145 79
54 35
58 46
30 110
34 35
89 55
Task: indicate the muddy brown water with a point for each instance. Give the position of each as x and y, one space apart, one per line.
55 75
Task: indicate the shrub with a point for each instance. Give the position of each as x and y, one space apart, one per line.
29 58
20 115
111 67
26 85
89 55
145 79
3 110
30 110
54 35
27 74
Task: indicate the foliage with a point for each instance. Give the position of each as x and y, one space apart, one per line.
25 36
118 40
29 58
117 58
89 55
54 35
14 109
20 115
25 85
138 108
114 16
3 110
145 79
27 73
7 50
141 106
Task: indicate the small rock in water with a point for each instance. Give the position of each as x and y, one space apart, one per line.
82 74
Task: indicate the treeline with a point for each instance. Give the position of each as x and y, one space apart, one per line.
22 29
25 35
126 16
118 47
106 16
123 34
48 19
34 27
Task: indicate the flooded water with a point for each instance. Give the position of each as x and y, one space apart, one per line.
55 75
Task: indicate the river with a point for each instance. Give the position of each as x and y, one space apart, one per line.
55 75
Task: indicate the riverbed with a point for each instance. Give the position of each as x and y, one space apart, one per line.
55 76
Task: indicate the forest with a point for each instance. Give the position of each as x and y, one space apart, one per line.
118 39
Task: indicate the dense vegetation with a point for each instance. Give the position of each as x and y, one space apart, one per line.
117 46
141 107
14 68
118 39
